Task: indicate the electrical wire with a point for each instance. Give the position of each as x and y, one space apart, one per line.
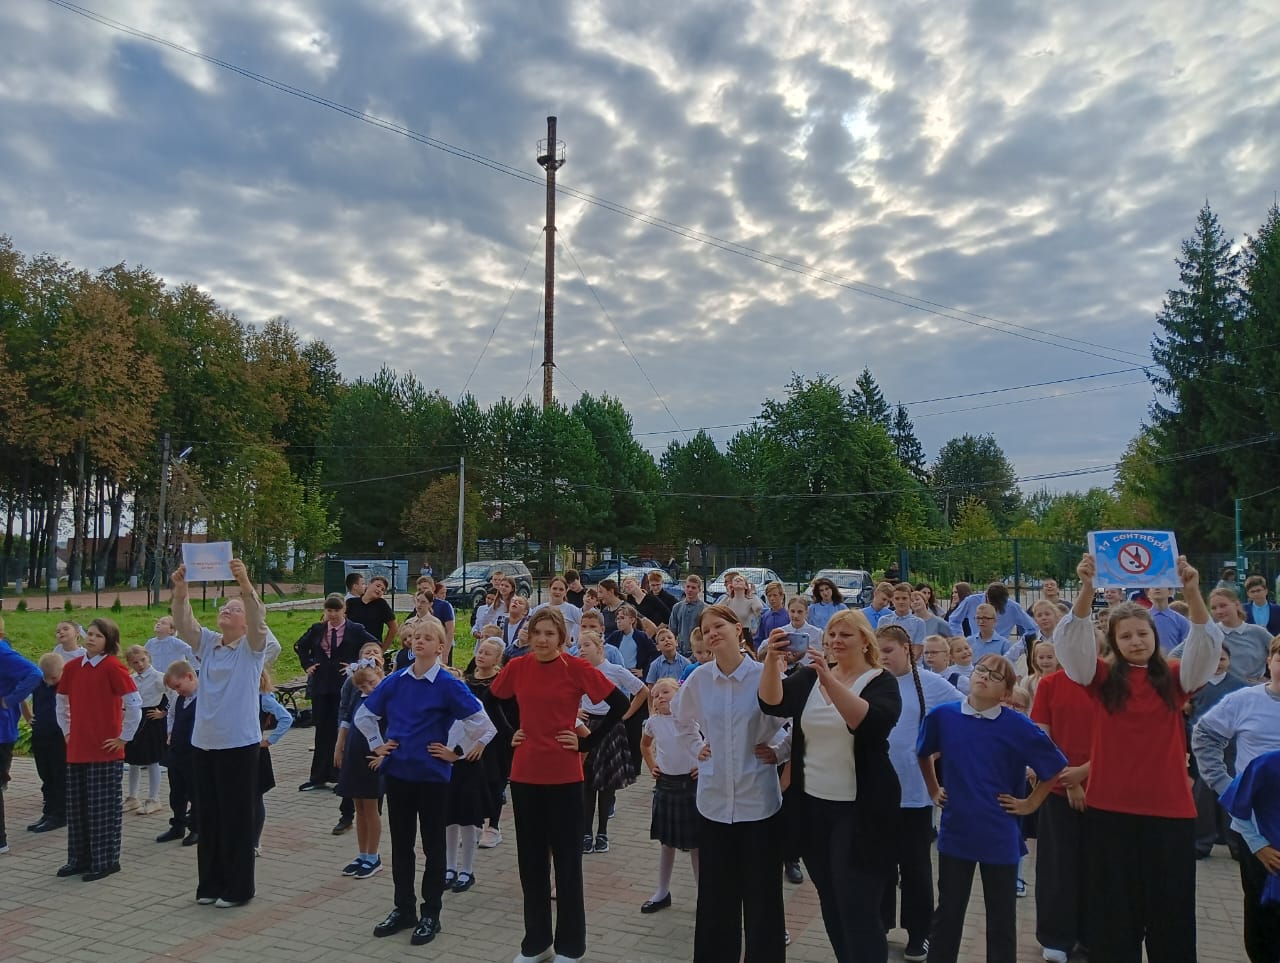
494 329
782 262
618 331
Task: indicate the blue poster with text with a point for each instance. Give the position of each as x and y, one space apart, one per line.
1132 560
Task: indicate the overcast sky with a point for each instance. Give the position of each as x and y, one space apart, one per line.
1037 164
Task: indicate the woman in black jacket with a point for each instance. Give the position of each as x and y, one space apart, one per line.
842 708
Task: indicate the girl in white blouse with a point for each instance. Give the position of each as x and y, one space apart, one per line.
147 746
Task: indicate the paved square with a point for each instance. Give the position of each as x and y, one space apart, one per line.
306 911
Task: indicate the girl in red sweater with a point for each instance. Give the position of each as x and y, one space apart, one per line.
1140 821
98 711
546 782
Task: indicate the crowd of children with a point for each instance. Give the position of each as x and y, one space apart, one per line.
874 730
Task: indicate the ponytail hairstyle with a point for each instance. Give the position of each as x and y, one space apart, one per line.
897 633
1114 690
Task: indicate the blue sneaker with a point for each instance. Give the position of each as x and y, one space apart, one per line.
368 869
353 867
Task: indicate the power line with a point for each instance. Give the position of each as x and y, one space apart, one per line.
778 261
618 331
494 329
1021 401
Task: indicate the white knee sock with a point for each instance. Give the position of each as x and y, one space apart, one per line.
135 777
153 782
468 836
451 847
693 858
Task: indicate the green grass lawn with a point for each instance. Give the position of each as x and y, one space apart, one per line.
31 633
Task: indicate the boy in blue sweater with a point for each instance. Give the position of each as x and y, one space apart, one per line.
987 749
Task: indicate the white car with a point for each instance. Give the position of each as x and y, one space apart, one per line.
759 577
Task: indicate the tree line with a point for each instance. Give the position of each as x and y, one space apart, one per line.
289 458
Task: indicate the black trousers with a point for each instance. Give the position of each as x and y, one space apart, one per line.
1142 887
999 893
850 894
182 792
6 757
739 884
1061 890
94 813
414 807
50 752
549 821
1261 923
1212 821
324 717
226 799
915 876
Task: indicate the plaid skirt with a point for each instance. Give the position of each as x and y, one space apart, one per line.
675 812
608 766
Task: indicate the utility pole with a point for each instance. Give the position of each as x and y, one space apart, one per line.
551 158
1241 561
462 506
158 576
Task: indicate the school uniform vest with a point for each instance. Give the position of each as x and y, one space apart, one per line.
184 723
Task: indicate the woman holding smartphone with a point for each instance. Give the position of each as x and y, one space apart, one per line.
842 714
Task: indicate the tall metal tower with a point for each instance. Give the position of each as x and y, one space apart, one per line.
551 158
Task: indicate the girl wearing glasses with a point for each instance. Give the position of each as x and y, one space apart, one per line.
988 749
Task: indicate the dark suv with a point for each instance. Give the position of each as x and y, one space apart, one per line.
466 585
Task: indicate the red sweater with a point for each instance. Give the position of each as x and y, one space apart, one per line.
1138 763
1068 712
548 694
97 714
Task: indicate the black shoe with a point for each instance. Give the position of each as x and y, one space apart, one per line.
917 951
71 869
39 825
172 834
396 921
343 826
450 877
602 843
425 931
191 839
464 882
98 874
588 844
312 784
792 872
655 905
52 824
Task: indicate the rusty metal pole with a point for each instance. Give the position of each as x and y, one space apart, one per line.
551 160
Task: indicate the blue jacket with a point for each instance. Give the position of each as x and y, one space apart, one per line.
1273 616
18 678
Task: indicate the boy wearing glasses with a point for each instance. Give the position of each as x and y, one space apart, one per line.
987 641
988 749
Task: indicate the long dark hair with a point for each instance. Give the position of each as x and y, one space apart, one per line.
997 597
836 597
1114 691
111 632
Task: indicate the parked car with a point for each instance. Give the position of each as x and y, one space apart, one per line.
759 577
855 585
609 569
466 585
641 575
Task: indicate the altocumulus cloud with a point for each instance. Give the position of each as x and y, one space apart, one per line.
1031 162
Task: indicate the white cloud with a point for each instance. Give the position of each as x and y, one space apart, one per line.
1037 164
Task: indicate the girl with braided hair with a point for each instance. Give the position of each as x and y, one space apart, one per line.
921 691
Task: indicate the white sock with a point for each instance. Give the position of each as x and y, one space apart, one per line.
469 836
666 863
451 847
135 777
153 782
693 858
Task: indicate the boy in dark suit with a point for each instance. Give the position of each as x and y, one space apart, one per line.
324 652
48 746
